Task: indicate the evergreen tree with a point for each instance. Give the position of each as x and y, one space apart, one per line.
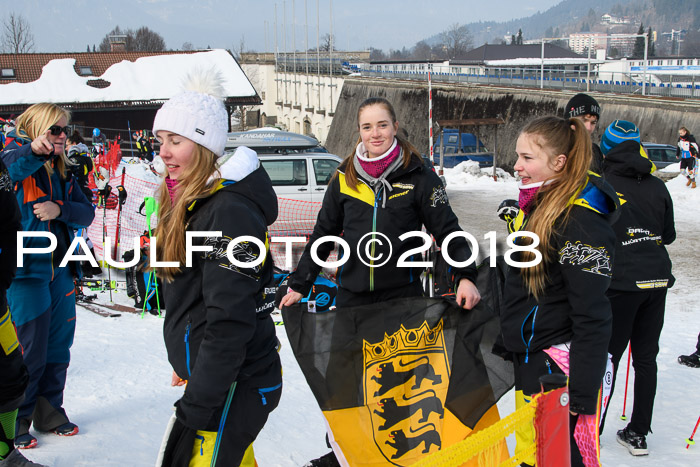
512 39
638 51
88 48
520 37
651 44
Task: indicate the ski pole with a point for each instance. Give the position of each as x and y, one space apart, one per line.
131 138
121 192
627 378
690 440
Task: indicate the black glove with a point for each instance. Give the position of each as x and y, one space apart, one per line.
508 209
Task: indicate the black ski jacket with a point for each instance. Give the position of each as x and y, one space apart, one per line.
646 223
417 198
9 226
573 306
217 326
597 161
686 150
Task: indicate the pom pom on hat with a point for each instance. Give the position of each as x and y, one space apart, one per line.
581 104
618 132
197 112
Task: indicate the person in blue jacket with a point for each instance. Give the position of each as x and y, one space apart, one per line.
42 296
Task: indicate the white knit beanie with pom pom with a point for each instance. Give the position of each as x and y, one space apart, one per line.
197 112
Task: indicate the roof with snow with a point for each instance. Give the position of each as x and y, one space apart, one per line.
114 79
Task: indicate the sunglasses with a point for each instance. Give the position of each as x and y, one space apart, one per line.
57 130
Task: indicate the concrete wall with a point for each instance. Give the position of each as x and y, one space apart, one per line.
296 102
657 118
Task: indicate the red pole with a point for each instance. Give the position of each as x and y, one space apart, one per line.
119 213
627 378
690 440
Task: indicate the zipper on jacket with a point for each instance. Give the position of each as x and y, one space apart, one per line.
263 391
187 346
201 444
377 197
527 343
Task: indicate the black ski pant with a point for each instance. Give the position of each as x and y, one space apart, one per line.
637 319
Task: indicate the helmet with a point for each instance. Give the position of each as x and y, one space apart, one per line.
95 132
135 135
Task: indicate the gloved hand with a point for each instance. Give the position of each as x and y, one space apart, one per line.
508 209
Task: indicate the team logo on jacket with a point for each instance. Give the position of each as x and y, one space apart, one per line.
439 196
244 252
405 385
595 260
5 181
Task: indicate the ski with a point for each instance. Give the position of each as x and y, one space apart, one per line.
98 284
97 310
118 307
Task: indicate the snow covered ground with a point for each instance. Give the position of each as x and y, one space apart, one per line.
119 392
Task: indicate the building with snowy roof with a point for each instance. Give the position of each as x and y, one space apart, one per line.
113 90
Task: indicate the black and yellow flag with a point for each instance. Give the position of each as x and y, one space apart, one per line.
400 379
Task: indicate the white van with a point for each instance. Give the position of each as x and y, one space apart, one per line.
299 167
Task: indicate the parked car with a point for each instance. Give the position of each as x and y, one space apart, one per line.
299 167
468 147
661 155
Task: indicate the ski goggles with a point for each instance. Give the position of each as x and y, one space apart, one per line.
57 130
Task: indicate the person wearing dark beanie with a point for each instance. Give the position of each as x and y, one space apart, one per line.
587 109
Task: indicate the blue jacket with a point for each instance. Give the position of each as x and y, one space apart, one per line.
32 184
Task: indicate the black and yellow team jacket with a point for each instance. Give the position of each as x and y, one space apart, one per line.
646 222
417 198
218 327
573 306
9 226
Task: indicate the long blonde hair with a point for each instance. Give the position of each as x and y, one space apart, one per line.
197 182
408 150
555 136
35 121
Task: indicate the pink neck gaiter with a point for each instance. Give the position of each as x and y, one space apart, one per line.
172 186
526 197
376 166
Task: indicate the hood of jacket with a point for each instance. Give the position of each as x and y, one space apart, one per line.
241 173
598 195
628 159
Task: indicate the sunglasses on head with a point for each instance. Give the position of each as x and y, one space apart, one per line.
57 130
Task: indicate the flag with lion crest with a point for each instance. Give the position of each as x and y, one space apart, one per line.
399 380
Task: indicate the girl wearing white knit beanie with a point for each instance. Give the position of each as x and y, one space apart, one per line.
218 331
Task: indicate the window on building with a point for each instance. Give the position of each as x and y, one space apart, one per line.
85 71
7 73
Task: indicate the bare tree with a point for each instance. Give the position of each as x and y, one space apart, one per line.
147 40
327 40
187 46
422 51
17 35
237 51
141 40
456 41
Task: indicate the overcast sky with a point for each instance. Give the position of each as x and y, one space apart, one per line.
71 25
